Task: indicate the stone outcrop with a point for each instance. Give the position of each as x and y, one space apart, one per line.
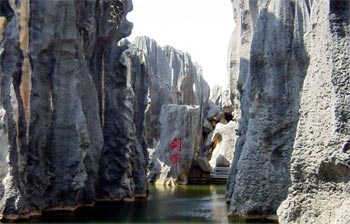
185 79
222 98
70 127
222 141
219 128
178 145
159 86
277 45
268 64
320 172
172 79
137 75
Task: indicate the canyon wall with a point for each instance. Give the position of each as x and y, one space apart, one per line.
290 59
269 79
70 127
320 171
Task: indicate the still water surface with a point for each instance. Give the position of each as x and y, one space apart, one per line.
184 204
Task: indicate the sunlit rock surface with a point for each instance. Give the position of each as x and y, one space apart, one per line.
219 128
223 141
179 142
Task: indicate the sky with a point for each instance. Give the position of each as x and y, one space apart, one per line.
199 27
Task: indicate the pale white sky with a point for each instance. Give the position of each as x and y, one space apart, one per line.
199 27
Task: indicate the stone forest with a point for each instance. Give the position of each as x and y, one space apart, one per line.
87 116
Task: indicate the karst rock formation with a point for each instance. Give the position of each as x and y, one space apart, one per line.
81 106
84 113
289 74
68 131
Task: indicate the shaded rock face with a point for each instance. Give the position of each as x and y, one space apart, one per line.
178 144
137 87
74 140
320 171
268 64
159 84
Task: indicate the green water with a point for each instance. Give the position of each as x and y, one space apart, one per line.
184 204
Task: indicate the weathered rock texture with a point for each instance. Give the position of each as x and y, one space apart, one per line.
276 45
70 126
186 81
268 65
320 172
179 142
159 86
172 79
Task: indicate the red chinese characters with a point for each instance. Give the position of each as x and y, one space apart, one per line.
175 145
175 158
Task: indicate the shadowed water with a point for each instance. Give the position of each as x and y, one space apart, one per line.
183 204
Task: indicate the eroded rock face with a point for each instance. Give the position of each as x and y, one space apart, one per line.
179 142
172 79
186 81
12 56
320 171
3 153
159 86
276 45
268 67
137 86
72 138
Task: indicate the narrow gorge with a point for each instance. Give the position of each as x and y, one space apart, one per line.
88 116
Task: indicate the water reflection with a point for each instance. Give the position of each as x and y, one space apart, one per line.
184 204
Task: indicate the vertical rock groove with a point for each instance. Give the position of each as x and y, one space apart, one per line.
268 72
289 66
58 149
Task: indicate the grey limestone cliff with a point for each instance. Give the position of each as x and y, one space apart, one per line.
320 170
173 78
159 86
268 67
71 132
289 60
178 145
